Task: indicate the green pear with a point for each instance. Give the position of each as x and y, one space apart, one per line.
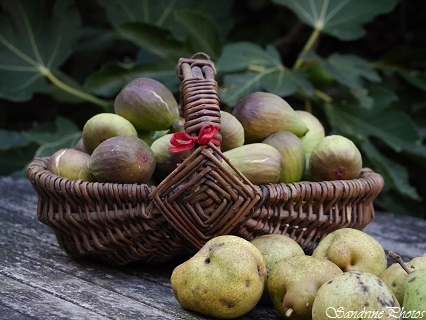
414 302
352 250
395 275
355 295
103 126
294 282
224 279
274 248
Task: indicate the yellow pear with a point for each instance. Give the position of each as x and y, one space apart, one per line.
355 295
224 279
274 248
395 275
352 250
294 282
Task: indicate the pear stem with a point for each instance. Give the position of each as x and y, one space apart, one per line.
399 260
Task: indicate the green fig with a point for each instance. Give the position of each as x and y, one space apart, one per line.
335 158
224 279
103 126
262 114
147 104
394 276
260 163
354 295
274 248
232 131
352 250
294 282
166 160
123 159
315 133
414 302
72 164
292 154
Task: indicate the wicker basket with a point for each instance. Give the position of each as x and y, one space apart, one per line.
200 199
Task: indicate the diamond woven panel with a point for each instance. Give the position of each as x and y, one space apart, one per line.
202 199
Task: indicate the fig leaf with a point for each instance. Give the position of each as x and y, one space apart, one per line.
250 68
393 127
343 19
33 43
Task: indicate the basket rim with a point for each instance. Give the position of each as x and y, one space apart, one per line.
38 168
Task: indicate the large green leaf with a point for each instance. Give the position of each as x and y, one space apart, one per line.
113 76
161 12
393 127
202 31
248 68
395 174
33 41
154 39
343 19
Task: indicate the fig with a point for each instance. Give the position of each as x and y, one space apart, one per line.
72 164
259 162
147 104
232 131
292 154
315 133
166 160
335 157
262 114
80 145
102 126
123 159
150 136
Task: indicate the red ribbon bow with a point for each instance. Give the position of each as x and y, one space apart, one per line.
182 141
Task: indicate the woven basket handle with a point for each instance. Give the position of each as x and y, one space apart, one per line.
199 93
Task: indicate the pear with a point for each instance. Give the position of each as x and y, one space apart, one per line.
414 302
294 282
352 250
274 248
395 275
355 295
224 279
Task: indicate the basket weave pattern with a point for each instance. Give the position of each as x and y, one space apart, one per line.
200 199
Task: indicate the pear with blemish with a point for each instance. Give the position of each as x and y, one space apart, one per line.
355 295
394 276
293 284
224 279
415 294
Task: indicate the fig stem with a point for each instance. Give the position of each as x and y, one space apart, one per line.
399 260
75 92
308 46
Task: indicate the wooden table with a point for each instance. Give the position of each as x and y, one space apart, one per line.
39 281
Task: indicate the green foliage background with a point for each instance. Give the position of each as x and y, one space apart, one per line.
358 65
